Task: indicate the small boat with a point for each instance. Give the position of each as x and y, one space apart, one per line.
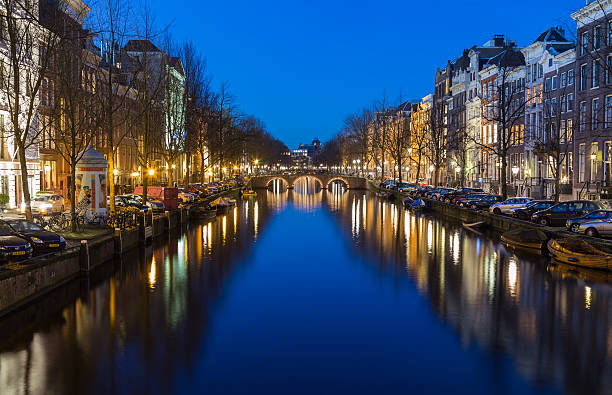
476 225
203 213
533 240
249 193
578 252
418 205
408 201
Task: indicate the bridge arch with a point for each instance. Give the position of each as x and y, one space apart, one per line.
337 178
306 176
274 178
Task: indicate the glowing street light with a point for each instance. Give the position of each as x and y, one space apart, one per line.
151 172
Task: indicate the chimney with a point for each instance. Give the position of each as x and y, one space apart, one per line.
499 40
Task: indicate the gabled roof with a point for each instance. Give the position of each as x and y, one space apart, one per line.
140 46
552 35
509 57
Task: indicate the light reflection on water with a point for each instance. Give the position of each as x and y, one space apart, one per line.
187 315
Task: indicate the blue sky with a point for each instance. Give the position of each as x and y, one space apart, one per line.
302 66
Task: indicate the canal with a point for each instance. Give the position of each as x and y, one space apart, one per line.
309 291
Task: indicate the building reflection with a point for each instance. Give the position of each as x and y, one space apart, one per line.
153 312
555 327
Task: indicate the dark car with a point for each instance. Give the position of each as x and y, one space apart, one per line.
486 202
598 215
459 200
526 212
13 247
559 213
42 240
449 197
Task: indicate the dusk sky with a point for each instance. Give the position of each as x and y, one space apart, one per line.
302 66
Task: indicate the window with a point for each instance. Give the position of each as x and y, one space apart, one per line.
584 74
608 116
3 153
595 82
584 43
570 102
610 33
550 62
547 85
570 130
540 71
570 77
554 82
582 120
609 70
528 73
563 104
594 113
597 37
563 80
581 162
593 161
554 107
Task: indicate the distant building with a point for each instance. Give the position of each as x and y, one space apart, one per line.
304 154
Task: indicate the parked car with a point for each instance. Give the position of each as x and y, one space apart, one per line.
437 193
596 228
559 213
153 203
508 204
597 215
13 247
527 211
41 239
486 202
405 187
46 203
450 196
126 201
186 196
459 200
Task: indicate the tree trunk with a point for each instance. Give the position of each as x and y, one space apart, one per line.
72 191
24 182
111 177
502 177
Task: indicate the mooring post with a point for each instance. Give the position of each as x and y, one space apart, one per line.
118 242
84 257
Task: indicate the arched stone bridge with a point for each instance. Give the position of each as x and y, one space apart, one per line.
325 180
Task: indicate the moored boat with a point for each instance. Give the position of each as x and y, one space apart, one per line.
476 225
578 252
249 193
533 240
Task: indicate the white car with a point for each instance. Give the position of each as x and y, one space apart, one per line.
46 203
508 205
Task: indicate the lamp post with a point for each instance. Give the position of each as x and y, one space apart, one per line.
515 171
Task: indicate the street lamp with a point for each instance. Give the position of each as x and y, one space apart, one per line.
151 172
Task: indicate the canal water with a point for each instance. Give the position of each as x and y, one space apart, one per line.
317 292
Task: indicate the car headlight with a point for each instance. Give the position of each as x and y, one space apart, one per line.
45 206
37 240
62 240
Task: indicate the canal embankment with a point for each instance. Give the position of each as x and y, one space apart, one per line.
498 223
24 281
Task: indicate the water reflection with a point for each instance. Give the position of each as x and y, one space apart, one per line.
147 326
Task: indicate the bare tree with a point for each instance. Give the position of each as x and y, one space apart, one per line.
398 140
72 121
112 24
30 48
357 128
435 131
504 109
